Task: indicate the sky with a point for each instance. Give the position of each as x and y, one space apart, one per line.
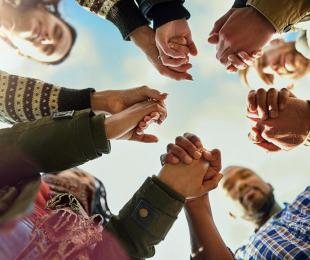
212 106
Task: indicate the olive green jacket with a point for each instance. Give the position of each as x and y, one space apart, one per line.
66 140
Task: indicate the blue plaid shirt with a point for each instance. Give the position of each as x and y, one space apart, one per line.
285 236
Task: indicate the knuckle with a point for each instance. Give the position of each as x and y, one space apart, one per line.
170 146
178 139
261 91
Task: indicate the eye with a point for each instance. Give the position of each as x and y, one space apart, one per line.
57 32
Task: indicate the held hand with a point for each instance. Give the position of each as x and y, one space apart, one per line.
188 148
164 35
144 38
264 104
115 101
236 35
123 125
188 180
289 130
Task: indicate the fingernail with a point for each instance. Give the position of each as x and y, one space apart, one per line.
188 159
281 106
197 155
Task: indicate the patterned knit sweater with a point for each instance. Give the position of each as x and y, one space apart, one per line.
26 99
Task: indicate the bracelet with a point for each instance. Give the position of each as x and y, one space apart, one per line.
200 249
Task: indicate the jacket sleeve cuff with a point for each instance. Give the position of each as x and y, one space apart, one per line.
239 3
126 16
72 99
146 219
281 14
166 12
102 144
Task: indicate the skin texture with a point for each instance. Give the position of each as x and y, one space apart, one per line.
281 59
246 188
233 36
115 101
203 232
167 32
144 38
195 178
123 124
36 33
286 131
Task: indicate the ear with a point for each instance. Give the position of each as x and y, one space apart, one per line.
271 187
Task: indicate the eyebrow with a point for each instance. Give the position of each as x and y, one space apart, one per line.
232 179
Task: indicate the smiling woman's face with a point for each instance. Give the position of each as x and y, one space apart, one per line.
40 35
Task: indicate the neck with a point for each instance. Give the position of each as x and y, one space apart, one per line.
264 218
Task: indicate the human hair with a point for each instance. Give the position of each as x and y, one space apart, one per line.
52 7
301 63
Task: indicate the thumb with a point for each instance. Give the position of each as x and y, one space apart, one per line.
192 46
211 184
213 38
144 138
151 93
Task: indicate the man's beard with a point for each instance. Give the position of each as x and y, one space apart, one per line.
260 214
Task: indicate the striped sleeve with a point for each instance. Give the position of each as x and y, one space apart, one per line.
26 99
124 14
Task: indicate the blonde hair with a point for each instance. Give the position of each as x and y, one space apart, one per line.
301 63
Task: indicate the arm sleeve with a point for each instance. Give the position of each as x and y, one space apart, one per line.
282 14
26 99
239 3
163 11
146 219
124 14
50 145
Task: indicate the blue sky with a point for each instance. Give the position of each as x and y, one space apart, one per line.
212 106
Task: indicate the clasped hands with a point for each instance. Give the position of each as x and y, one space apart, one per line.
238 43
280 120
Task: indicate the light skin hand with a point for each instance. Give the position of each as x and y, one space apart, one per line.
115 101
144 38
124 125
164 35
287 131
265 104
236 36
188 180
188 148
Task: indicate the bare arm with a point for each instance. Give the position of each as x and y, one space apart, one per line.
206 241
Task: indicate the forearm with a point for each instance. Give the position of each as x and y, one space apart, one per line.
51 145
124 14
282 14
26 99
146 219
207 243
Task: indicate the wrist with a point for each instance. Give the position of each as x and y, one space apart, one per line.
141 36
169 179
197 204
101 101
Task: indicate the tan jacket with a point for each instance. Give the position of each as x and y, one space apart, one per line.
283 14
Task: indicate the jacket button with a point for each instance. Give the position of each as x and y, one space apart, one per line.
143 212
287 28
